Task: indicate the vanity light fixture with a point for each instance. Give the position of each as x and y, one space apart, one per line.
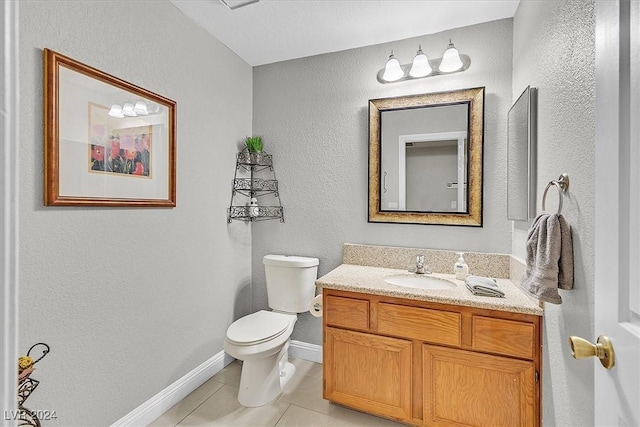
451 62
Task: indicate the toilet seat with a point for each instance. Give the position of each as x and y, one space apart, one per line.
259 327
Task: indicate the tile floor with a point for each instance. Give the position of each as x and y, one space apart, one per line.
215 403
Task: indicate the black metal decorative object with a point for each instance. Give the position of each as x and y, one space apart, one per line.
26 386
254 187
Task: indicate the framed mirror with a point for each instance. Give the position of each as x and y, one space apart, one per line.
521 139
425 158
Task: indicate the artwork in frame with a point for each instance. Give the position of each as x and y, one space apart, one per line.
107 141
117 150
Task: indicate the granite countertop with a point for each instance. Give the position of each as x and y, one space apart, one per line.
370 280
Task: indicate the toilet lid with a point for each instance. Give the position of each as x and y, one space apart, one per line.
258 327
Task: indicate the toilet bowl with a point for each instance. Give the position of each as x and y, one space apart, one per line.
261 340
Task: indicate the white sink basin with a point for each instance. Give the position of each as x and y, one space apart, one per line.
419 281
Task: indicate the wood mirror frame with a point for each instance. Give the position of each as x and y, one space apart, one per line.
474 98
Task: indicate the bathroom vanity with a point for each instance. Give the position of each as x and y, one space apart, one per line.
430 356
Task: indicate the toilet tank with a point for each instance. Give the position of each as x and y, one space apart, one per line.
290 282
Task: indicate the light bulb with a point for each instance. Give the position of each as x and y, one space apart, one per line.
392 71
128 111
420 66
116 111
141 108
450 60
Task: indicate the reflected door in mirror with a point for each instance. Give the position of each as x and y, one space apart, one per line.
424 159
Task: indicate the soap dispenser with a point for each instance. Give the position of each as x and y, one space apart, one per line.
460 268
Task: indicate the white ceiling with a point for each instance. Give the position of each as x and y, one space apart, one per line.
278 30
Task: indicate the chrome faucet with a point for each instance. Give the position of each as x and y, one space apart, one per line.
420 268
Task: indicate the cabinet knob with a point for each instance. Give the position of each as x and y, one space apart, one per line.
603 350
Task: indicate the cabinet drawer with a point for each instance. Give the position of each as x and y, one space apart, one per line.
436 326
507 337
347 312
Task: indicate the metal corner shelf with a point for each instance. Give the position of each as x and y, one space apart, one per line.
244 213
254 161
247 187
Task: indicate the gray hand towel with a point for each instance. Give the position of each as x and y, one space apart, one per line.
483 286
549 258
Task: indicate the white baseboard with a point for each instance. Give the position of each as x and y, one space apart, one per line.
146 413
306 351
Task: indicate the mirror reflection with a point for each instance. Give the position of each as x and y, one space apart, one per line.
521 204
425 158
425 145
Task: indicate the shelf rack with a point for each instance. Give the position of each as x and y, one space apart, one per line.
253 186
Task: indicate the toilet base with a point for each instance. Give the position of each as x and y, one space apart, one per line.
262 379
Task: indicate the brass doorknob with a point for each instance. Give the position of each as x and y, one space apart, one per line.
603 350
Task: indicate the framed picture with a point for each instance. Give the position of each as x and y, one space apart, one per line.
106 142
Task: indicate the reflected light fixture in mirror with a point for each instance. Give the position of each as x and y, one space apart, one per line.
116 111
127 110
141 108
451 62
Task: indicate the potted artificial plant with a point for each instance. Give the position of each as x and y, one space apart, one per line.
254 146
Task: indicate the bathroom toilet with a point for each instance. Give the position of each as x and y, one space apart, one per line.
261 339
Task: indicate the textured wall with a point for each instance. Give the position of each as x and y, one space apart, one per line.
130 300
313 115
554 50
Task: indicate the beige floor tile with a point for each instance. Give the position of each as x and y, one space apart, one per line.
230 375
183 408
302 417
305 367
223 409
306 391
350 417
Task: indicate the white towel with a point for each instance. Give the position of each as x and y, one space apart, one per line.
549 258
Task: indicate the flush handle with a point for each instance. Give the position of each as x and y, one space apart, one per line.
602 349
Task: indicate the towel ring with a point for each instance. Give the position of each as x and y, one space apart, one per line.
562 184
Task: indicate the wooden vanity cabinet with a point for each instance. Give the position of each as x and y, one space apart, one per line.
432 364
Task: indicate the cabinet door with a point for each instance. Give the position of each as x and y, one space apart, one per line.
368 372
473 389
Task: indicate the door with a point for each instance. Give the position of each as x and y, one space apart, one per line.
9 98
617 236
